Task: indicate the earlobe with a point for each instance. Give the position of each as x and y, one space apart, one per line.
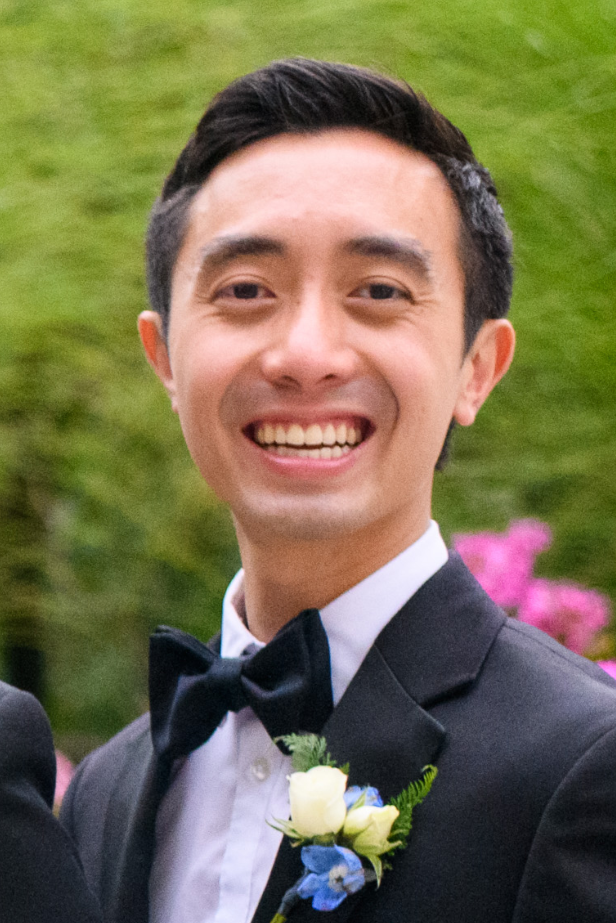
151 333
487 361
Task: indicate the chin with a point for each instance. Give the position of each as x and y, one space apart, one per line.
303 521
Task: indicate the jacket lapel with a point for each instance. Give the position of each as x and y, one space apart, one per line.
387 739
432 649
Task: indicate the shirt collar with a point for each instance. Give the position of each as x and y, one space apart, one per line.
354 620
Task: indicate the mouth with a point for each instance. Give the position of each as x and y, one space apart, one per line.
325 440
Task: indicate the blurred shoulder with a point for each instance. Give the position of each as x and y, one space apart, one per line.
15 705
27 752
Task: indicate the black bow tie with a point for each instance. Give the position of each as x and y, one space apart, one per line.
287 684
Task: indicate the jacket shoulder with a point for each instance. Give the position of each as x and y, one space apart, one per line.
120 764
97 775
571 684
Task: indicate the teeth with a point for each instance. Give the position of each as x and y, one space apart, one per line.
314 441
324 452
295 435
329 435
314 435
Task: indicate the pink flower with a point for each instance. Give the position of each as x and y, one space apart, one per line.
566 611
64 774
503 562
609 666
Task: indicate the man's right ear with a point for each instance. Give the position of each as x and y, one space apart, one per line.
150 325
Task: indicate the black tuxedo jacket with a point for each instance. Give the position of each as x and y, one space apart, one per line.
520 825
41 880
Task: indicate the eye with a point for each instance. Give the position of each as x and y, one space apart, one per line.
380 291
244 291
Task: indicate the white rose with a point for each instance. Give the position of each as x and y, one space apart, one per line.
317 800
369 828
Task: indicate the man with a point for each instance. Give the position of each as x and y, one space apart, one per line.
330 272
41 880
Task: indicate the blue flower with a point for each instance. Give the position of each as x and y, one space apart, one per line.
334 872
372 797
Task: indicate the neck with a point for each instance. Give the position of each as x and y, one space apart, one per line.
281 578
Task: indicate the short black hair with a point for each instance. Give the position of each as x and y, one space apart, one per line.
304 96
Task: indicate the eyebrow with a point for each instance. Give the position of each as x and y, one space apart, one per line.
406 251
223 250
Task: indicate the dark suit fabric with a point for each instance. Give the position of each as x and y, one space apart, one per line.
521 822
41 880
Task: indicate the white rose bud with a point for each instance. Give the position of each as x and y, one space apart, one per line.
317 800
369 828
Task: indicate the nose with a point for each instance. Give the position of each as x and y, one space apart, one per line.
310 348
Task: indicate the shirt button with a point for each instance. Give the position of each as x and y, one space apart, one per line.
260 769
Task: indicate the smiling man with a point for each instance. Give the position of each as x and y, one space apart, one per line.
329 271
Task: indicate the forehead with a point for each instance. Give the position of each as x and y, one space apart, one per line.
334 184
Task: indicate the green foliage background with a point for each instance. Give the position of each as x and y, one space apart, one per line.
105 528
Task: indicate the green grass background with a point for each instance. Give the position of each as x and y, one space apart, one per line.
107 530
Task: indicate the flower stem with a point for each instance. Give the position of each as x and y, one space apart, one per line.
288 902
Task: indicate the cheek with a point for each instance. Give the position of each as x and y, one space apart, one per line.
420 373
201 367
198 385
426 387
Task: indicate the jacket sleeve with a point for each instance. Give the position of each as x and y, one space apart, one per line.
570 875
41 880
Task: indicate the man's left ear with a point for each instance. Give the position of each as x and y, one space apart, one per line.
484 365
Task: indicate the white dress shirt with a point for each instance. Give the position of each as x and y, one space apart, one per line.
214 849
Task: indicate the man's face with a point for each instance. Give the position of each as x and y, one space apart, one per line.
315 351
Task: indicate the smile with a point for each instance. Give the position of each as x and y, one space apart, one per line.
317 440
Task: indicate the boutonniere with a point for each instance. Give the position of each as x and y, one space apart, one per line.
346 834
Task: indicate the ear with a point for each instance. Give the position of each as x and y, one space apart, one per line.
151 332
485 364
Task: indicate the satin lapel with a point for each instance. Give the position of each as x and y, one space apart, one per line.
432 649
387 739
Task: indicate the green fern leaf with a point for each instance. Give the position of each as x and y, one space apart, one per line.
307 751
406 801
